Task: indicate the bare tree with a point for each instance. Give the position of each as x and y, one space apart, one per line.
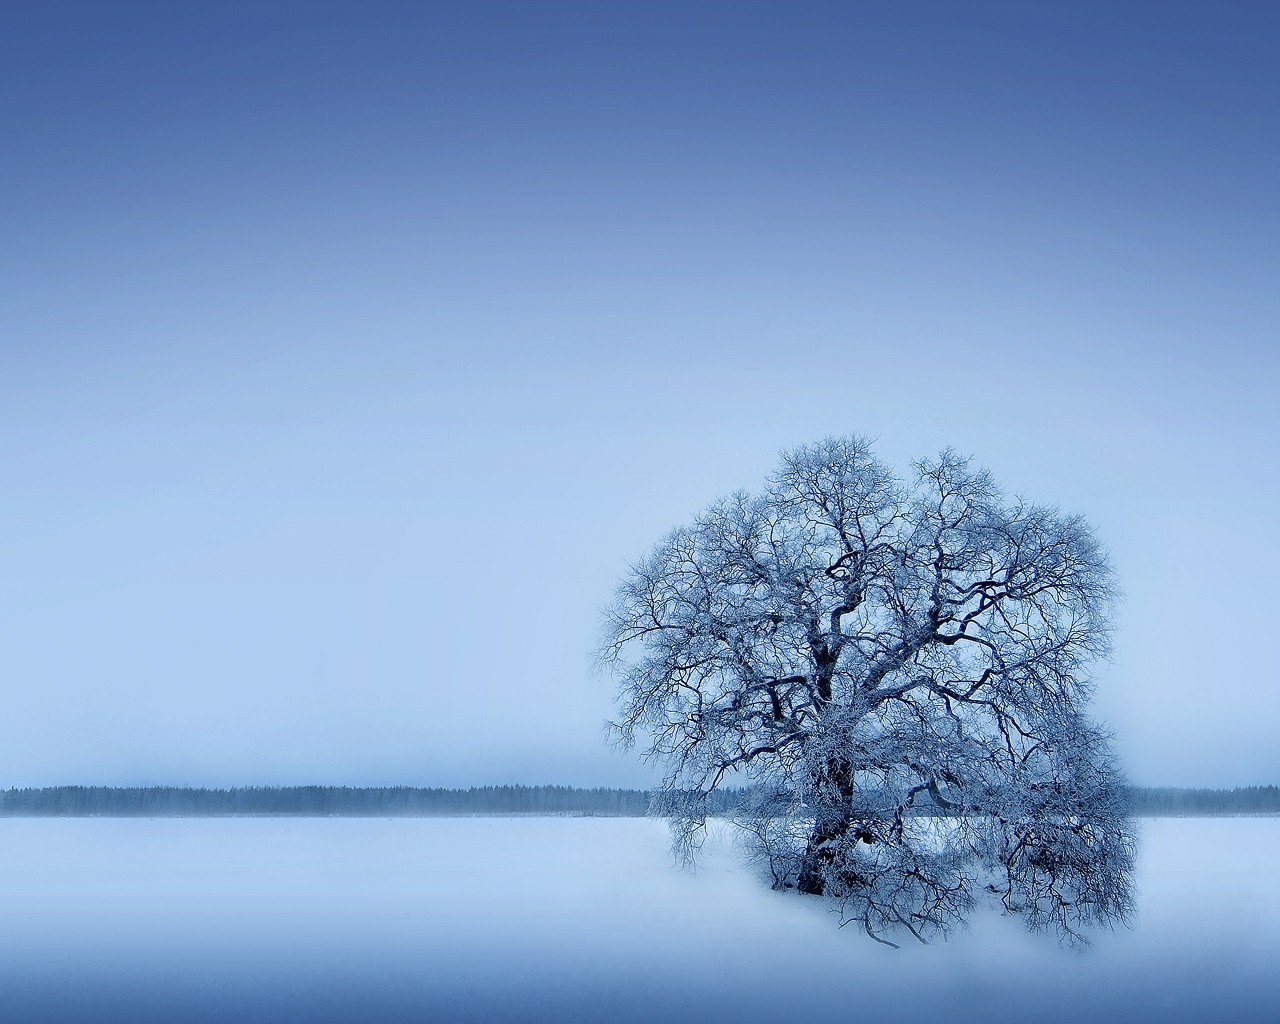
896 668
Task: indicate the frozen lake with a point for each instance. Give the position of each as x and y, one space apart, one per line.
567 919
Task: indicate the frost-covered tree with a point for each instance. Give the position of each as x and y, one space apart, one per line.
897 668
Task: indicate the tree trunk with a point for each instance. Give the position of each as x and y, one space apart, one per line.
818 853
833 791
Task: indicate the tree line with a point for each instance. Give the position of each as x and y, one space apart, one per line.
417 801
318 801
1172 802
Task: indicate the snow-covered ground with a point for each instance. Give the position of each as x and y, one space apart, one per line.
568 919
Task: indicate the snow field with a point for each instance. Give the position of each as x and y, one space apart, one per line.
336 920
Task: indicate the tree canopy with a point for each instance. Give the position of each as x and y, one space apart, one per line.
897 666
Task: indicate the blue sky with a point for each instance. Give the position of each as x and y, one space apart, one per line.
349 352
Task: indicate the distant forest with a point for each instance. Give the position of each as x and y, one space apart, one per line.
413 801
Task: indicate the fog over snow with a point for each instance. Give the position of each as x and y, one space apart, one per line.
349 353
541 919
